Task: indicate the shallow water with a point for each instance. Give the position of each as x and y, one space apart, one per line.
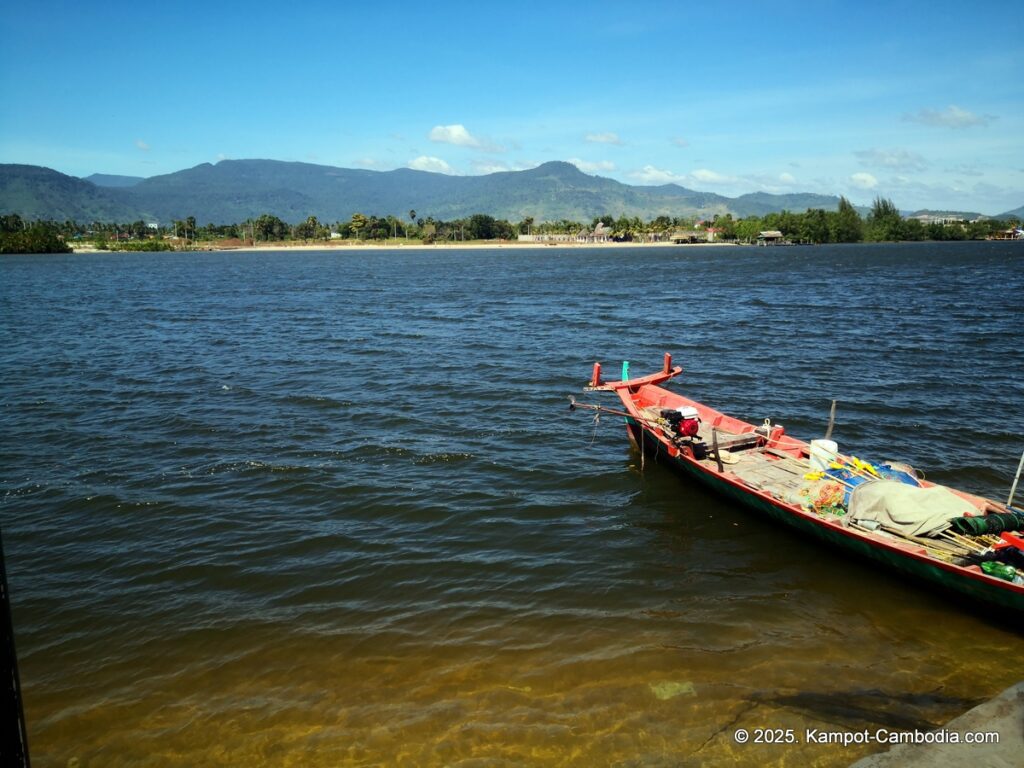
331 508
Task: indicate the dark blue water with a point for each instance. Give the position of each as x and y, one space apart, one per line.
331 508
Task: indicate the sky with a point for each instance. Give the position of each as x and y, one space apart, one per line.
918 102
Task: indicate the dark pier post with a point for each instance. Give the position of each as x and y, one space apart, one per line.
14 737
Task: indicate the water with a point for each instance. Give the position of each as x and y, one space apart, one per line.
324 508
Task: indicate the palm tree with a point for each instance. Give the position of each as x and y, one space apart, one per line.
359 222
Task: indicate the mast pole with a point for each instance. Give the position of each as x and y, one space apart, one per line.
1013 488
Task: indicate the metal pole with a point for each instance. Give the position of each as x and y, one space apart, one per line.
1013 488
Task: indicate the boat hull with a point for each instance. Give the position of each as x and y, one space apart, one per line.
976 588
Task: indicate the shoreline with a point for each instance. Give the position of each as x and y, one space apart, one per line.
474 246
327 246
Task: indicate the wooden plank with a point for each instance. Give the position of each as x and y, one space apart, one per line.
784 455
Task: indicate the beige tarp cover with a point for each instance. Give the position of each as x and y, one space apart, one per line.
912 510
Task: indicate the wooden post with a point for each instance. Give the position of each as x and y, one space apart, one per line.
831 421
714 444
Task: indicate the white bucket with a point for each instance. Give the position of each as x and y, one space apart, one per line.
823 453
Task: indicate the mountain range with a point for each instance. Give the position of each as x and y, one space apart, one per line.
236 190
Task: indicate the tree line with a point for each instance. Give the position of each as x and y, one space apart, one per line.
843 225
19 236
883 223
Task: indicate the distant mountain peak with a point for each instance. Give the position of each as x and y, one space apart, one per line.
563 165
556 168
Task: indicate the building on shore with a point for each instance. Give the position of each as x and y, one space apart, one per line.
552 237
689 238
600 234
770 237
1008 234
938 218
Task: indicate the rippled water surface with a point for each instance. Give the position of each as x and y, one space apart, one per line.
328 508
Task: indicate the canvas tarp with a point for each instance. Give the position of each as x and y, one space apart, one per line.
911 510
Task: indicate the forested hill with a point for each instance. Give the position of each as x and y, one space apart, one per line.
34 193
1016 213
236 190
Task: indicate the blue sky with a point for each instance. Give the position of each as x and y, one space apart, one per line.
921 102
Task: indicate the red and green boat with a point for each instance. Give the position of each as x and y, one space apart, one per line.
828 495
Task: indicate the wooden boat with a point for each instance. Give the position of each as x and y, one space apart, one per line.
770 472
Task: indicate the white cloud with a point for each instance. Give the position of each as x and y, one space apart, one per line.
590 167
460 137
864 181
951 117
603 138
453 134
485 167
680 142
432 164
897 159
142 145
774 183
711 177
651 175
951 194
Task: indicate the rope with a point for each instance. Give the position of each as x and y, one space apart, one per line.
597 423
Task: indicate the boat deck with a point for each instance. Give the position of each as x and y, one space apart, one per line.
746 456
775 476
